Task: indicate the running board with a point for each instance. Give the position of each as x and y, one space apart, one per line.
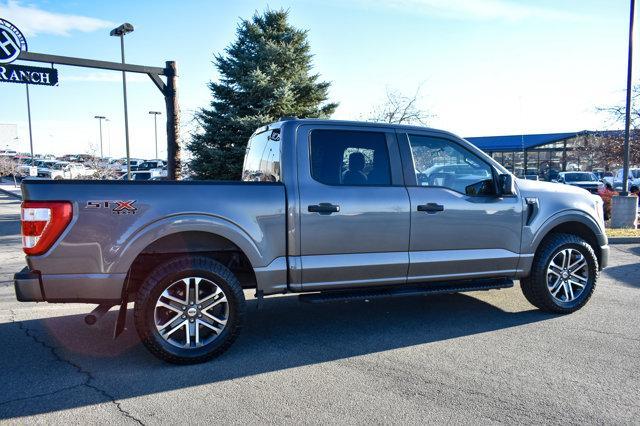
413 290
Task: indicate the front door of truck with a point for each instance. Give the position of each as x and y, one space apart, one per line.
354 208
460 228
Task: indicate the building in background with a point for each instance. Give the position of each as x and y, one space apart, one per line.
547 154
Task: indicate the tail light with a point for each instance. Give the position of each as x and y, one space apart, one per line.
42 224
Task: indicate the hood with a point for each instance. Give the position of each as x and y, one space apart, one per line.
532 187
584 183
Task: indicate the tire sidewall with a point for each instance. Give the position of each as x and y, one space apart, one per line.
148 314
593 273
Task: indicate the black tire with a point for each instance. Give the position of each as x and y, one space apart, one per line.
534 287
161 278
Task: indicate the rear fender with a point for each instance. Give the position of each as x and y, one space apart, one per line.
187 223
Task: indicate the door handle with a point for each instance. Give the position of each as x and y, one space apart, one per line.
323 208
431 208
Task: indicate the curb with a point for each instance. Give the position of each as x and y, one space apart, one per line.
624 240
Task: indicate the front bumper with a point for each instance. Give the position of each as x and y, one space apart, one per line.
31 286
604 256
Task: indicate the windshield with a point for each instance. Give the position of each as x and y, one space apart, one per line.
635 173
580 177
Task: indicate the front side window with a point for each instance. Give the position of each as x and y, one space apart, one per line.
443 163
350 158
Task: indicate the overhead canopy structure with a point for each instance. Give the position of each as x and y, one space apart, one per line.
539 153
520 142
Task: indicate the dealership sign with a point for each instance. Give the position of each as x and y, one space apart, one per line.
12 42
32 75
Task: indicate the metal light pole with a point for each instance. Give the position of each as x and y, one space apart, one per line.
100 118
627 119
106 120
29 116
155 124
624 209
121 31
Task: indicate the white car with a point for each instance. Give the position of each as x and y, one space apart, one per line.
634 178
135 162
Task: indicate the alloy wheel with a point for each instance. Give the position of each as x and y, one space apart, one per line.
567 275
191 312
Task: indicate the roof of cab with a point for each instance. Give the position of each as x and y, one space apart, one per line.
278 124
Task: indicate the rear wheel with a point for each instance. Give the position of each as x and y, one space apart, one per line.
189 310
563 276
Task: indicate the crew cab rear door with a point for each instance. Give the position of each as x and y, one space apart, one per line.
354 209
460 228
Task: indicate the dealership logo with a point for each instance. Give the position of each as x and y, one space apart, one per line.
12 42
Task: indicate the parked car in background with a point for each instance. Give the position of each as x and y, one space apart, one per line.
604 176
151 164
55 171
135 163
45 167
137 175
77 170
584 180
634 178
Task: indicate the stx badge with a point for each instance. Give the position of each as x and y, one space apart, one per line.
117 207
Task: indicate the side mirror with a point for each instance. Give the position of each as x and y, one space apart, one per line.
505 185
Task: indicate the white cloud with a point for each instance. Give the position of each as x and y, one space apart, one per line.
33 21
477 9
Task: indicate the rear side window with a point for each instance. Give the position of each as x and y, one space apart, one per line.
262 159
350 158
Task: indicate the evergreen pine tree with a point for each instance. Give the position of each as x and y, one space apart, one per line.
265 74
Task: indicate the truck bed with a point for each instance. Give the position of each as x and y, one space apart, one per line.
113 221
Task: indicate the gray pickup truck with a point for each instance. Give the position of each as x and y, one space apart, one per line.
328 209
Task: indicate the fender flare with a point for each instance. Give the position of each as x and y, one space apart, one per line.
566 216
176 224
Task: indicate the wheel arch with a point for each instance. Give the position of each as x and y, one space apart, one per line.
574 223
212 236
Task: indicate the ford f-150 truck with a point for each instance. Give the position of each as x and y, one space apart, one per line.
328 209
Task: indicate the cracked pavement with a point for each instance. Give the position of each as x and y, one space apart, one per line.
484 357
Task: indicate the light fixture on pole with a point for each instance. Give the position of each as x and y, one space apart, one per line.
155 124
121 31
100 118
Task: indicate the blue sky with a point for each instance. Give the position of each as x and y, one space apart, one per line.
485 67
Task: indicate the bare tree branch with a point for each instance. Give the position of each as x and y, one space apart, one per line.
399 109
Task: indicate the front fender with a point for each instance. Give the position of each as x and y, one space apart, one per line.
531 238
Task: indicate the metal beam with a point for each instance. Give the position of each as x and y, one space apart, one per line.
89 63
159 83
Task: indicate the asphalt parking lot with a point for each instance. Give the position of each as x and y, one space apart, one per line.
485 357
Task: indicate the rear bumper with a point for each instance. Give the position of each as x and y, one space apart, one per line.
27 285
31 286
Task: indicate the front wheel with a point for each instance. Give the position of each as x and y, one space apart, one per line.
189 310
563 275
